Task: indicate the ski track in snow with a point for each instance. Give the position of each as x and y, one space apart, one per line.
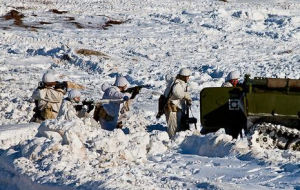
158 38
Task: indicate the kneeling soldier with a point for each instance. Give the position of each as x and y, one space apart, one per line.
49 95
108 113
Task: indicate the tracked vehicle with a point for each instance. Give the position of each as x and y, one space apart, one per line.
268 109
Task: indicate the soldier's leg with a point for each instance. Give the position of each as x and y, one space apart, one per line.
172 123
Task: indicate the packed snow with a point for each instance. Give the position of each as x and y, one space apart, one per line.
90 42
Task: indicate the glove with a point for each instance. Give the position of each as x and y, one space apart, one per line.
188 99
125 98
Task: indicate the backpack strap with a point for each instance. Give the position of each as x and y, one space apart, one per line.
169 94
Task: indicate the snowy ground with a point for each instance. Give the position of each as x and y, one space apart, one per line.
143 41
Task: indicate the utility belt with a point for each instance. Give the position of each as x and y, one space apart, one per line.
100 113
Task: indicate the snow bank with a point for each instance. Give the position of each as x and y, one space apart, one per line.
11 179
209 145
210 37
222 145
59 146
11 135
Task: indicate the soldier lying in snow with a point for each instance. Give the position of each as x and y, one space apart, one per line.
48 97
70 109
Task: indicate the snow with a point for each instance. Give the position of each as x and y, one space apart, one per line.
154 39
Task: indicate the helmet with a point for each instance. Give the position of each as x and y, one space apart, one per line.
49 77
121 81
185 72
73 93
233 75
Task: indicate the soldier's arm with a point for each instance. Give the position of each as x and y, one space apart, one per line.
35 94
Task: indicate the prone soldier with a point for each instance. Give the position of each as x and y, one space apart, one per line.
70 109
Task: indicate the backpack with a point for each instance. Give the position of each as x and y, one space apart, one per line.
162 102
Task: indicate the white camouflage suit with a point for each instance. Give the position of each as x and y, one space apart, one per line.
112 108
67 111
227 84
177 98
49 98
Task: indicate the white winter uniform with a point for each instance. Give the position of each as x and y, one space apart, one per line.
67 111
177 98
227 84
49 98
112 108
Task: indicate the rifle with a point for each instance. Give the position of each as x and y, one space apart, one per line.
37 116
99 102
136 90
60 85
57 85
186 120
87 103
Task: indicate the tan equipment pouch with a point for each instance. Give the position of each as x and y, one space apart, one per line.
101 113
170 107
48 113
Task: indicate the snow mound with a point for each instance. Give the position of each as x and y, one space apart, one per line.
61 148
11 135
209 145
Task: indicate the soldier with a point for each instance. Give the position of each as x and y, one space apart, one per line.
178 100
70 109
48 97
108 113
232 79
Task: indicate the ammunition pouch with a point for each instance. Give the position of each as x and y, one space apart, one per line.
48 113
100 113
170 107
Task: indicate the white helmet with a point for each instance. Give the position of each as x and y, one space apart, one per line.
49 77
185 72
233 75
121 81
73 93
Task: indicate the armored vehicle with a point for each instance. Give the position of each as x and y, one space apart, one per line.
268 109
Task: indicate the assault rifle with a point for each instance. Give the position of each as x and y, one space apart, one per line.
85 103
60 85
186 120
99 102
136 90
57 85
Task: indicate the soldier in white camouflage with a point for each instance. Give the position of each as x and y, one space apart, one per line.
232 79
178 100
49 95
